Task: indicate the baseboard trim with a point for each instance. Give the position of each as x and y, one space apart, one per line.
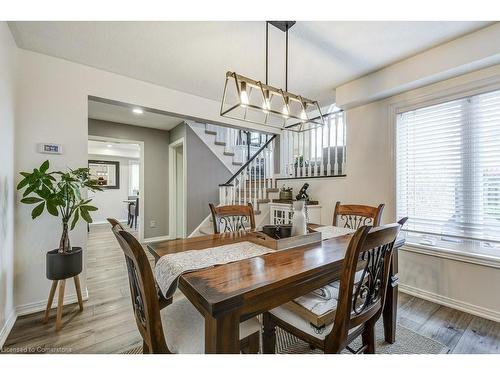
156 239
35 307
7 327
451 302
106 222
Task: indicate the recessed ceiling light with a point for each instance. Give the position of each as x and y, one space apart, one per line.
109 145
138 111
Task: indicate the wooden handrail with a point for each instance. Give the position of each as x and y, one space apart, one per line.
229 182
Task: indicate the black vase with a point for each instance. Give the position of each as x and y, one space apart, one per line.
60 266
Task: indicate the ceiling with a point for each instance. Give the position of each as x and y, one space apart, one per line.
123 114
194 56
103 148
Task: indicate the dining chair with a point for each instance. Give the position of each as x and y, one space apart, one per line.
232 218
164 302
354 216
179 324
359 301
133 213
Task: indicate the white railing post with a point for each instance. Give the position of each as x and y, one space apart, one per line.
310 167
321 168
335 148
303 155
329 143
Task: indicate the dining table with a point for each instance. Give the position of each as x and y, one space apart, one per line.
230 293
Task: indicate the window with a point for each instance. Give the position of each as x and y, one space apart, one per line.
133 177
448 173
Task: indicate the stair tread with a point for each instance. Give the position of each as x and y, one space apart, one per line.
237 163
210 132
229 153
220 143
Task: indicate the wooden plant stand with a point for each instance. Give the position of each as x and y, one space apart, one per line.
60 300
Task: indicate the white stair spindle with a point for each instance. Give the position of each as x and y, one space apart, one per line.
245 182
335 148
271 163
303 155
291 169
344 146
321 166
329 143
238 190
310 154
255 185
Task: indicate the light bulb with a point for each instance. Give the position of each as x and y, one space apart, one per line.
138 111
285 110
243 94
266 104
303 114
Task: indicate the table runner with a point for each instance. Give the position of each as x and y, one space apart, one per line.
170 267
329 231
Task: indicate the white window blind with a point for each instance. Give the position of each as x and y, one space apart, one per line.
448 169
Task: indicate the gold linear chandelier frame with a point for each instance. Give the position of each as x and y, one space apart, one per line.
267 94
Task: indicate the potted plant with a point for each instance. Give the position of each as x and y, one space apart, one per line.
60 193
286 193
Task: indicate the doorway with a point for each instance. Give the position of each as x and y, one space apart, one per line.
177 189
120 197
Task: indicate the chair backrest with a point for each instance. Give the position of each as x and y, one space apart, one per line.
143 292
370 250
356 215
115 223
232 218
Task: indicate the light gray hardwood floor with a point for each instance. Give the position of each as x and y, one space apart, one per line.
107 323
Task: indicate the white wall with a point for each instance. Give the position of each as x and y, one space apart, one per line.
462 55
8 62
370 180
110 201
52 107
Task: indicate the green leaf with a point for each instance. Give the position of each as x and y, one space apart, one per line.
52 209
44 166
31 200
76 216
37 211
89 208
23 183
29 190
85 215
25 174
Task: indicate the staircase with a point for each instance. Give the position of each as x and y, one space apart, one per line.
228 144
250 158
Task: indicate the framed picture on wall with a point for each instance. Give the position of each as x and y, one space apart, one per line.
106 173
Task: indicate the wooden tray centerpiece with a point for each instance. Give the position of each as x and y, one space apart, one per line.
272 242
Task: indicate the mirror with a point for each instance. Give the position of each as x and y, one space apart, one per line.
106 173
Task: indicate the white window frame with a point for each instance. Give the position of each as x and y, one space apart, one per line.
474 87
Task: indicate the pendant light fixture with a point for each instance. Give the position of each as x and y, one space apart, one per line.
250 100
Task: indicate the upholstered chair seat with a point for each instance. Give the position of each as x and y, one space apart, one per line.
295 320
184 327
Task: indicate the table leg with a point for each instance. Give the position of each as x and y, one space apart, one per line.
391 301
222 335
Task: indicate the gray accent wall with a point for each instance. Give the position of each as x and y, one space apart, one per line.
204 174
155 168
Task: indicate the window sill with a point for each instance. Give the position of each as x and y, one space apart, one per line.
457 255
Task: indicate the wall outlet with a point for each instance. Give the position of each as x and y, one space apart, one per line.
152 223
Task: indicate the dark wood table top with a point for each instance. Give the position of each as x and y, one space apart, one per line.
228 286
